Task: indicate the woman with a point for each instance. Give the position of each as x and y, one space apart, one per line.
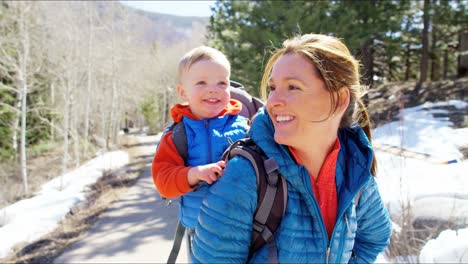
317 129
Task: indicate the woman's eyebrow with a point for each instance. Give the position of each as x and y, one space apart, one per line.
293 78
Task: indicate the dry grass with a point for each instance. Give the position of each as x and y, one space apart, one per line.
41 168
409 241
101 194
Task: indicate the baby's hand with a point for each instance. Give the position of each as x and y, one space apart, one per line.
208 173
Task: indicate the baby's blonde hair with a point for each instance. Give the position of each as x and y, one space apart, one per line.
202 53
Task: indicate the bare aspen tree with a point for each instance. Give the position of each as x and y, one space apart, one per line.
21 14
23 58
113 73
64 54
89 75
52 102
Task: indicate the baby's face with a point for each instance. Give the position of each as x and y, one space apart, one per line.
205 86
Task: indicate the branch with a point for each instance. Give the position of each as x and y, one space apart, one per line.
47 121
7 59
37 109
10 107
7 87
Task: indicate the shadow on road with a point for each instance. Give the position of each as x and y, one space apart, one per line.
137 228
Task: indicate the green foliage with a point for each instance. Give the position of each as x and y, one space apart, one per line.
6 119
41 147
247 30
150 111
39 113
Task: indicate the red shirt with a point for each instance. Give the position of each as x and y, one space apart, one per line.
325 187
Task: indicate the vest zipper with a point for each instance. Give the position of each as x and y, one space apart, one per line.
207 126
327 241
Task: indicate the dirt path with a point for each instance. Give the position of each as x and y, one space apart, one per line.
138 228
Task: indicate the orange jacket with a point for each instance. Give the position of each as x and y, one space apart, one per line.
168 169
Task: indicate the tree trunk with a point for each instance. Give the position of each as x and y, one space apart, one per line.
16 121
462 68
74 127
165 114
89 79
446 62
23 80
112 112
425 47
368 63
52 101
408 62
435 76
66 126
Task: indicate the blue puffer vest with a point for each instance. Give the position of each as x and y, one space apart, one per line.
207 139
226 216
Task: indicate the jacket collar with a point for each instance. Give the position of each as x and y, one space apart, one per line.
178 111
353 164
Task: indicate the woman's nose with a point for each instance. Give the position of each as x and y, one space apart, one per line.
275 98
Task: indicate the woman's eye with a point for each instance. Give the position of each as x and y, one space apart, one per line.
271 88
201 83
223 84
293 87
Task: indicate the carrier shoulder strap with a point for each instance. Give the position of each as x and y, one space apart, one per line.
272 195
179 137
180 231
180 141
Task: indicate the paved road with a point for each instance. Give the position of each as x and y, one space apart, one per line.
138 228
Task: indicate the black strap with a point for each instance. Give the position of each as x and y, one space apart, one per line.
177 242
179 137
272 195
272 252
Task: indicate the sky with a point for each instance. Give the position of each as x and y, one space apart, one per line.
180 8
434 187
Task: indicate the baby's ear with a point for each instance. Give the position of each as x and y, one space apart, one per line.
181 92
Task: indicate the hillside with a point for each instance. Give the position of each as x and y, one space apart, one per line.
166 29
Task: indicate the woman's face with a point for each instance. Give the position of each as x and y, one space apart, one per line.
298 103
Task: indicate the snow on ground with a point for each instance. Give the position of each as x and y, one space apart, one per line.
435 185
29 219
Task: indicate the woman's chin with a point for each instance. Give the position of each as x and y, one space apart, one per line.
281 138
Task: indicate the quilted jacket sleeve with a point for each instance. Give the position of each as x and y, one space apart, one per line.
374 226
225 222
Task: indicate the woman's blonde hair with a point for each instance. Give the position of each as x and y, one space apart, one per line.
337 68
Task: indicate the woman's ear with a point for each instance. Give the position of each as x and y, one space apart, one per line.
181 92
344 99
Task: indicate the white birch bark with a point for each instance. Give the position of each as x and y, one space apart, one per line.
89 71
24 58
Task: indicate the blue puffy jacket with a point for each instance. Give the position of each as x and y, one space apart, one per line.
207 139
361 232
